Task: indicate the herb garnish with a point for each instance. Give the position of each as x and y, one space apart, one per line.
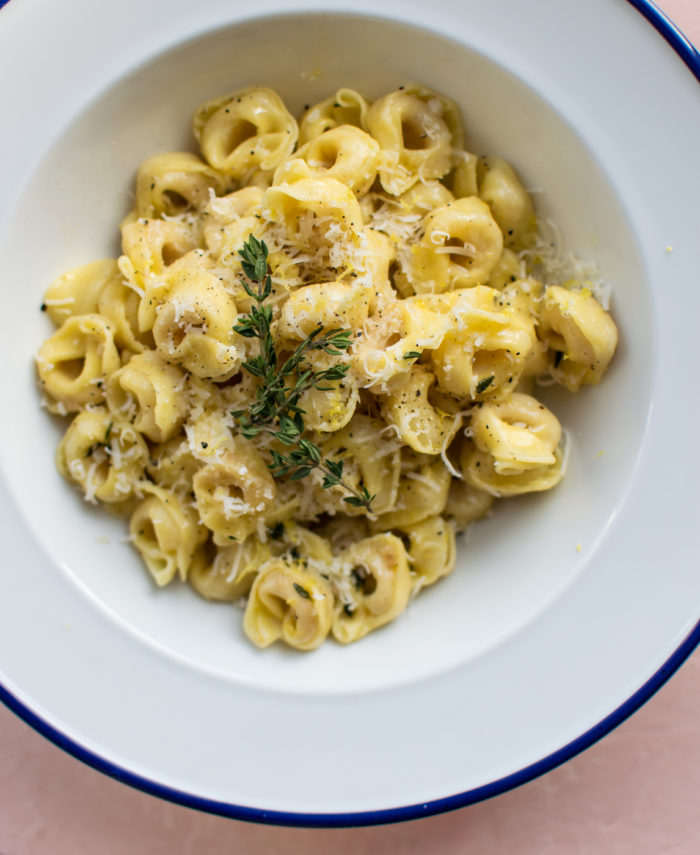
302 591
277 531
411 354
105 443
276 410
484 384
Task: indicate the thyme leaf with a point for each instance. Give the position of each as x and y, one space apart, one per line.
484 384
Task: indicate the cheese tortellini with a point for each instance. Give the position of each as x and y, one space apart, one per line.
381 228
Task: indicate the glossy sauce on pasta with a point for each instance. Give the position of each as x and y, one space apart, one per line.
378 221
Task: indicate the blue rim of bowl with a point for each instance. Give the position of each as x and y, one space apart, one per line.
665 27
690 56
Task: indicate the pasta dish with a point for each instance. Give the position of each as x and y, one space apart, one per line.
316 359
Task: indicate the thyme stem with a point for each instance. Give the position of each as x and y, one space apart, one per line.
276 410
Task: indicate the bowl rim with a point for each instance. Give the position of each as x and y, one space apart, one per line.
691 58
363 818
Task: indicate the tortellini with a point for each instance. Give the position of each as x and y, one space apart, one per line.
413 131
78 291
485 353
328 304
152 386
516 447
431 550
580 332
345 153
193 326
171 184
329 408
346 107
319 210
418 422
424 485
102 454
75 362
461 245
150 247
245 133
166 532
393 342
367 462
234 491
382 585
289 603
510 204
230 573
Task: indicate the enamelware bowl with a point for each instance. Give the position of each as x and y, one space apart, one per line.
566 610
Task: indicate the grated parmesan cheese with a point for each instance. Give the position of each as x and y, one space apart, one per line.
373 247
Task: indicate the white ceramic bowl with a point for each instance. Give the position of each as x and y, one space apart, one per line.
533 648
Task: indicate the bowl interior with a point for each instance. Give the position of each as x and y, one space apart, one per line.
512 565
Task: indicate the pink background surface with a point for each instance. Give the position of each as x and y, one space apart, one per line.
635 793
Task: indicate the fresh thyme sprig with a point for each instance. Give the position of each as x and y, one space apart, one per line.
276 410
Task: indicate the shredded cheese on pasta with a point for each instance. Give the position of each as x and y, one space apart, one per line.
377 221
